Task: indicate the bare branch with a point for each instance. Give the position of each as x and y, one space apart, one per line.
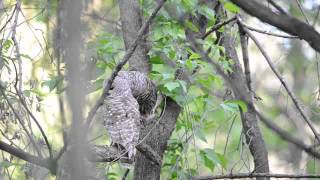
20 121
25 156
217 27
275 5
302 11
286 136
19 78
245 55
270 33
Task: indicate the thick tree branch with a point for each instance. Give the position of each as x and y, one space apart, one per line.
25 156
284 22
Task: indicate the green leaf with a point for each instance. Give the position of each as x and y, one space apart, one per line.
183 84
235 104
209 161
26 56
5 164
211 154
223 160
7 44
195 56
208 12
156 60
52 83
231 7
201 135
191 26
171 86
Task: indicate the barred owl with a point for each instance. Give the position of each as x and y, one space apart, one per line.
131 101
143 90
122 116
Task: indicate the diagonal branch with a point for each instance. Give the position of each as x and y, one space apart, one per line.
217 27
19 77
20 121
275 5
286 136
25 156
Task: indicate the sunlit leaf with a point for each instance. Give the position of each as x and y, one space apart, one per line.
171 85
231 7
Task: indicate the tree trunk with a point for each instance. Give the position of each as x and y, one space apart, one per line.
251 129
73 164
131 21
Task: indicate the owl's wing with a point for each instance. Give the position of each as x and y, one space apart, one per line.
122 121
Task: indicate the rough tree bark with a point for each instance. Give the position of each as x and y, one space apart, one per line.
284 22
131 21
251 129
130 13
241 91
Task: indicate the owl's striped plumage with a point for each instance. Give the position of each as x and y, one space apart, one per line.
122 117
132 99
142 88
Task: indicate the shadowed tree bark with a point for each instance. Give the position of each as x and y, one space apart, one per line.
131 21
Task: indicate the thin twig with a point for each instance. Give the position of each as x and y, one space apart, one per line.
316 17
19 79
10 18
290 93
256 175
20 121
17 49
275 5
269 33
218 26
124 177
302 11
245 56
23 102
228 136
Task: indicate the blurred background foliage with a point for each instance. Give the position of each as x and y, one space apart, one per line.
208 137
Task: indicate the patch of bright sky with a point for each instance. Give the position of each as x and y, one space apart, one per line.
310 4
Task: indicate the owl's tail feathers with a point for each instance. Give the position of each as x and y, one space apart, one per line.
131 152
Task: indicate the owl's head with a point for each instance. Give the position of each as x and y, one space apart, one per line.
121 85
